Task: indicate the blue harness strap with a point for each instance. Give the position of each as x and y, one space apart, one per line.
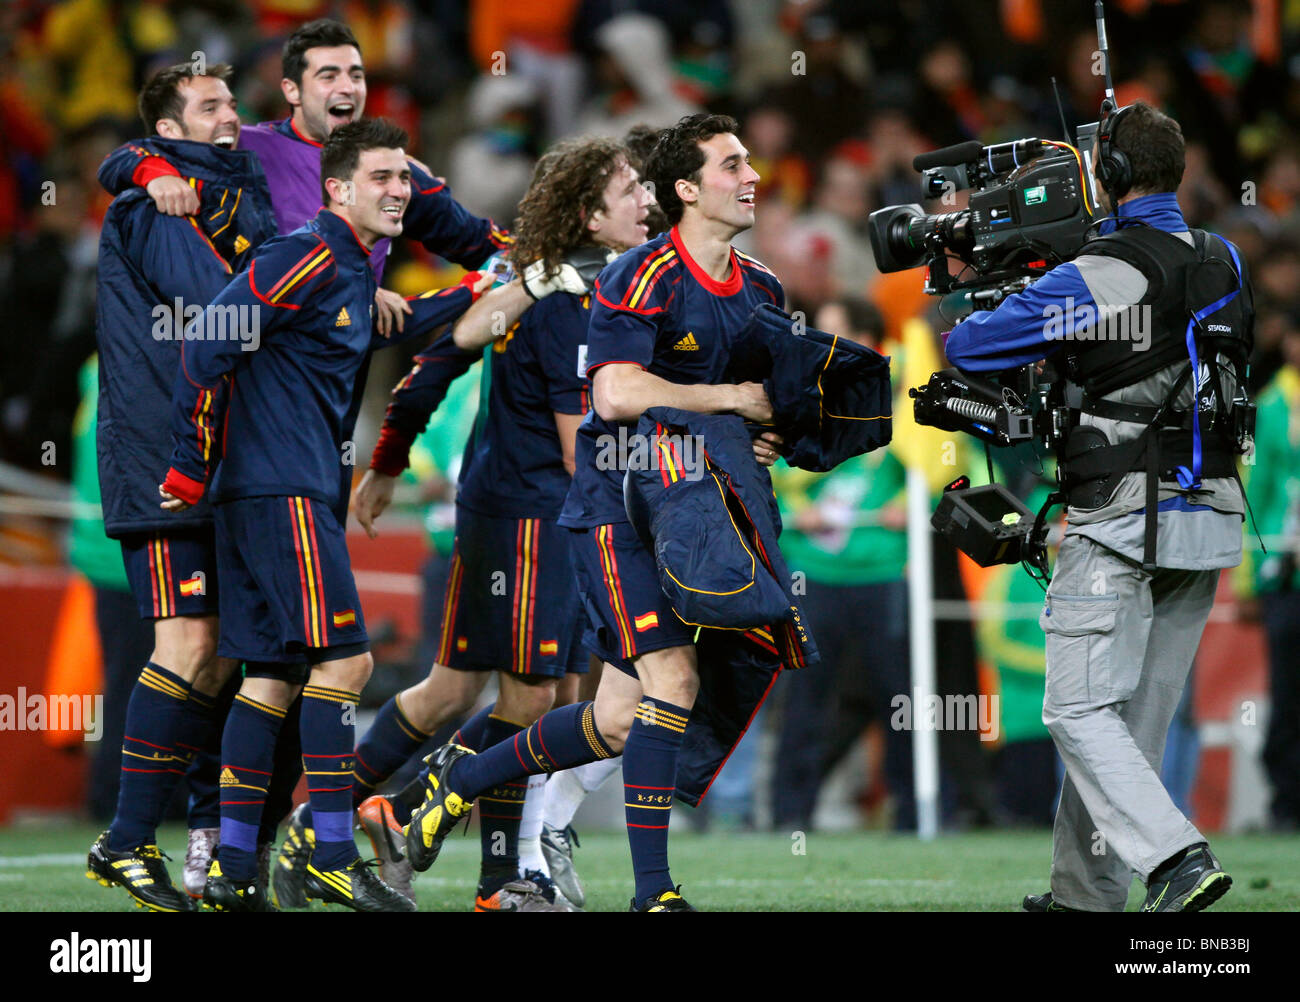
1191 479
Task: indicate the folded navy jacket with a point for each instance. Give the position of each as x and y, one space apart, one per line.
831 397
705 507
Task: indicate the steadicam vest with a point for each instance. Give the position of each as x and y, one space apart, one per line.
1198 306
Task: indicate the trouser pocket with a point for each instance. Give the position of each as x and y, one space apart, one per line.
1080 632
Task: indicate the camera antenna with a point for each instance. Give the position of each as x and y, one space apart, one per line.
1060 108
1108 105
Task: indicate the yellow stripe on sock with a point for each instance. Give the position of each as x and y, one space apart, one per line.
274 711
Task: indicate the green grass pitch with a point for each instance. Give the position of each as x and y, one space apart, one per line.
42 869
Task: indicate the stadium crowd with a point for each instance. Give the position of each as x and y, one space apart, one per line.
834 99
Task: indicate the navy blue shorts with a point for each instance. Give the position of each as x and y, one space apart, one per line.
287 593
628 612
511 602
172 573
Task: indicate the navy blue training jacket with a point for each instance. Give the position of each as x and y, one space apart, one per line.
149 264
285 420
707 509
830 397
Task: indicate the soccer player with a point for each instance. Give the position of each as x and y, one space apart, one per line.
526 621
151 269
325 87
662 323
280 500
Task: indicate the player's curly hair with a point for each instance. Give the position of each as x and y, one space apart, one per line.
568 186
677 156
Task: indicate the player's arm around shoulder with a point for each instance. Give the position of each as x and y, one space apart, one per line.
432 309
491 316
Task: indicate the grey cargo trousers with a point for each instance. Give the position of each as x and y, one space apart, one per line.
1120 644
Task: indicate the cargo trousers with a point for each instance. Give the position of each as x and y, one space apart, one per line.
1120 643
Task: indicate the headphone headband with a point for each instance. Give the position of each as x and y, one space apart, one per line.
1114 170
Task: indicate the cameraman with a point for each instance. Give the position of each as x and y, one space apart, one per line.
1131 594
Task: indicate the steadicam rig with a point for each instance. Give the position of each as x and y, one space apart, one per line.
1001 414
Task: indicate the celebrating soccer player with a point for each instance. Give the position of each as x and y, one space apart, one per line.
324 85
152 268
661 329
584 205
280 501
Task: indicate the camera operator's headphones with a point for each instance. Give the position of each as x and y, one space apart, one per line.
1114 170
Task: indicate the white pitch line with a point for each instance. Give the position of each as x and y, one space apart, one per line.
48 859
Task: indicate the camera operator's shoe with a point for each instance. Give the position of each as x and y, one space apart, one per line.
355 886
199 851
1044 903
376 818
557 850
1188 882
442 808
291 865
141 871
225 895
667 901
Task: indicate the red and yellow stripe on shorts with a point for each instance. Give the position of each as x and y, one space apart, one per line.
160 578
614 589
450 602
303 524
525 604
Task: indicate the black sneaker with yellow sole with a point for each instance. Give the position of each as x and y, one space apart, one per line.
290 868
355 886
434 819
141 871
667 901
1190 881
222 894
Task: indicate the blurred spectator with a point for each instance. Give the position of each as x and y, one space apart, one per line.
531 38
1200 196
893 141
1276 276
50 297
1220 84
636 80
24 141
701 32
839 217
825 101
491 166
1279 188
383 30
948 103
102 49
1273 480
784 173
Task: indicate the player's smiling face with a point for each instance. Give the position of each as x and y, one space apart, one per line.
727 182
210 114
377 195
621 223
333 90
